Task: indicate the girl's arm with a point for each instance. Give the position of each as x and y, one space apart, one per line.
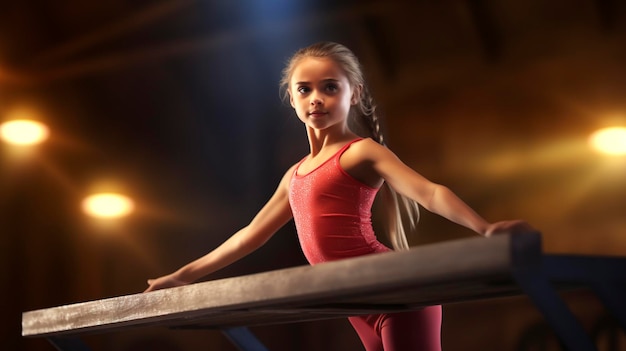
434 197
275 214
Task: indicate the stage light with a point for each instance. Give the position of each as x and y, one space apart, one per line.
610 141
108 205
23 132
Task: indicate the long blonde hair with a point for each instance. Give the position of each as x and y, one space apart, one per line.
401 211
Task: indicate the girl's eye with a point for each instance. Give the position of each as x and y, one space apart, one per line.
302 90
332 88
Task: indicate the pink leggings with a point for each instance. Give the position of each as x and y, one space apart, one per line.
415 330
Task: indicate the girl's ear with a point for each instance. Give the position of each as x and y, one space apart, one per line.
291 99
356 94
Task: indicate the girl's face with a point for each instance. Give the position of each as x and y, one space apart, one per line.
320 93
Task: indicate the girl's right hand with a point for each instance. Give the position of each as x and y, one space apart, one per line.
164 282
511 226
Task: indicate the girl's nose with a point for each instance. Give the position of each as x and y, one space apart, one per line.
315 101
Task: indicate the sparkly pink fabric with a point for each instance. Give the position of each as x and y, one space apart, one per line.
332 212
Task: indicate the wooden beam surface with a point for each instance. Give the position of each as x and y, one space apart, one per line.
432 274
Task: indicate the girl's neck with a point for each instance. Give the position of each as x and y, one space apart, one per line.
321 139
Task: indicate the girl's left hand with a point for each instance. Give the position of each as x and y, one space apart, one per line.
509 227
164 282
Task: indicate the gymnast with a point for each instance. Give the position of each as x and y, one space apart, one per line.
329 193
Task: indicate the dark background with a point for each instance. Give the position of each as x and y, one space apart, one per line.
176 103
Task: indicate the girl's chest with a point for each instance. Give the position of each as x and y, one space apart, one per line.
352 163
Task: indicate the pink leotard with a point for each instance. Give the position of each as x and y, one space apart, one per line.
332 213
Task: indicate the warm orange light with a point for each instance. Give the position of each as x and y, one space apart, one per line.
108 205
23 132
610 141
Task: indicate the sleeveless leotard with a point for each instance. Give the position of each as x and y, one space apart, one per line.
332 212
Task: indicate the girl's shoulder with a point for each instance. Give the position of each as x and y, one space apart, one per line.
286 179
366 151
369 148
364 143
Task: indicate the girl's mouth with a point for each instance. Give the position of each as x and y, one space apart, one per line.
317 113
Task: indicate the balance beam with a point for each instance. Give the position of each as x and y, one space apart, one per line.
458 270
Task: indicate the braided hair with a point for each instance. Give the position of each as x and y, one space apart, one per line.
401 211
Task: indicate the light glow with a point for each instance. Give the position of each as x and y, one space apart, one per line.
23 132
610 141
108 205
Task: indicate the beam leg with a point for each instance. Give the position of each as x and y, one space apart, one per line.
555 311
243 339
68 344
612 296
604 275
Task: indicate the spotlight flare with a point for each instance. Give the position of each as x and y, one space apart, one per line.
108 205
24 132
610 141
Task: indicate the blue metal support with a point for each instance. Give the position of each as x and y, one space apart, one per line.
68 344
243 339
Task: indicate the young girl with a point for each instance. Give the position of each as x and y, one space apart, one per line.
329 193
